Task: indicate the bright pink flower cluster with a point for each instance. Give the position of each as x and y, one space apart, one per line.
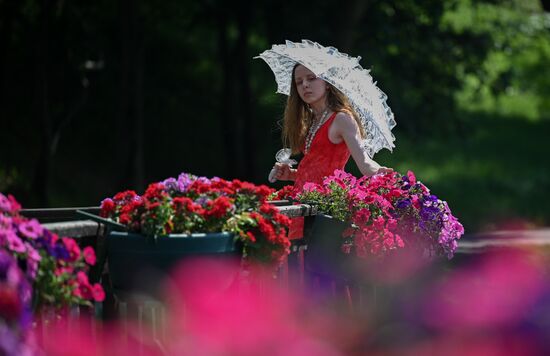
191 204
51 264
387 212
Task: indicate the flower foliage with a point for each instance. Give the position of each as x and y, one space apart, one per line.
15 307
192 204
56 267
387 212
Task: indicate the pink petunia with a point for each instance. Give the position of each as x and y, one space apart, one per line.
32 253
310 187
412 177
5 204
89 255
72 247
98 293
82 278
31 229
5 221
32 268
14 242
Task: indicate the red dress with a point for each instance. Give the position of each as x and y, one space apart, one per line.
322 159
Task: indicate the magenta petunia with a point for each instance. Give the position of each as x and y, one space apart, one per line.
89 255
32 268
13 241
98 293
32 253
31 229
82 278
309 187
5 204
5 221
72 248
411 177
388 211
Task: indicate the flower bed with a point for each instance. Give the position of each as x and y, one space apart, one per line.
15 308
386 212
191 204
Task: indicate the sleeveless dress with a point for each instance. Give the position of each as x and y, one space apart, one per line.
322 159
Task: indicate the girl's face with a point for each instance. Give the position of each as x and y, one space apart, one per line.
310 88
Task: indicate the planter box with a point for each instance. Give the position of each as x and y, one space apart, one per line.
324 254
137 262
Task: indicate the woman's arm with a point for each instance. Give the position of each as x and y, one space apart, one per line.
345 128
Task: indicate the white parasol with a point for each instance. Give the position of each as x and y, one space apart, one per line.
346 74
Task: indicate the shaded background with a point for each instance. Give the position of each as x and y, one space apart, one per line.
110 95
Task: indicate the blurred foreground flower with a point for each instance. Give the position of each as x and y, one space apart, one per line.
55 266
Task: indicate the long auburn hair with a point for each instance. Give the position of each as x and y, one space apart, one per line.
298 118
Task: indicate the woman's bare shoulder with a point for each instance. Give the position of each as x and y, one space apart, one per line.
344 119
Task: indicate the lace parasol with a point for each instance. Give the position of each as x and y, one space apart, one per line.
346 74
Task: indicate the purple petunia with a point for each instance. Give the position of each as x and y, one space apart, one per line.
403 204
181 184
429 213
171 184
202 200
16 301
60 252
452 231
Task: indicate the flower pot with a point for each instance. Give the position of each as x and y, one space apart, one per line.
138 262
324 255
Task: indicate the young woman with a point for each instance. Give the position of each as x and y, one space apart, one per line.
320 122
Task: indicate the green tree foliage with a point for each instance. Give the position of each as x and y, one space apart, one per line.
513 78
97 96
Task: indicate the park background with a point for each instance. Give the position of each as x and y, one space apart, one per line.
98 97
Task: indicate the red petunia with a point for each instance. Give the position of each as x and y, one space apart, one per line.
268 209
107 207
263 192
251 236
125 196
125 219
218 207
155 191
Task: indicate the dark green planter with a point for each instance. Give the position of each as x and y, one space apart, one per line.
324 254
137 262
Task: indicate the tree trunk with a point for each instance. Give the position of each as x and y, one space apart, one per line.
41 180
139 118
229 122
130 119
8 13
122 142
351 13
248 144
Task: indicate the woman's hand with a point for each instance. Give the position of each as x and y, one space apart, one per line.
383 169
283 171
